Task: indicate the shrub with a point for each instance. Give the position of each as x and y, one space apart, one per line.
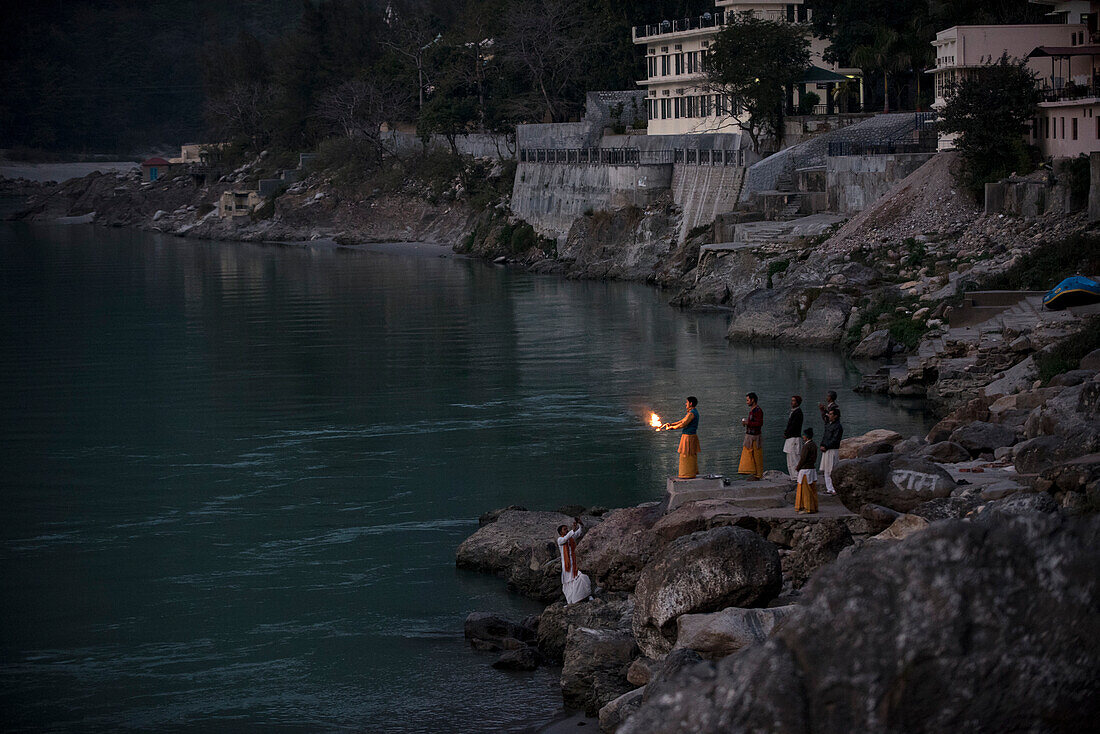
775 267
807 102
1066 354
1047 265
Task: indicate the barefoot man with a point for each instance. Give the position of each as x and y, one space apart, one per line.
575 585
752 450
689 441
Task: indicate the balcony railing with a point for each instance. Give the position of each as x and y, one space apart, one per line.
707 20
1068 92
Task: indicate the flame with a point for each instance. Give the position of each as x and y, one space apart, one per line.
654 420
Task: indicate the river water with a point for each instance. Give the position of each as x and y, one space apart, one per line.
235 476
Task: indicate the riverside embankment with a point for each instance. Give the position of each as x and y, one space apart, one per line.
885 285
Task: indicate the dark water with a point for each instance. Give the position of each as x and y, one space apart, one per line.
234 476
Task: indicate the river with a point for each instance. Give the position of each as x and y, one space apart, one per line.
235 475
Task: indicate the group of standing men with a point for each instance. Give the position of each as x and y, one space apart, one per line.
798 445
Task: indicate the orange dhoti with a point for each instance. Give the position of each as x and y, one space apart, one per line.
689 456
752 457
805 497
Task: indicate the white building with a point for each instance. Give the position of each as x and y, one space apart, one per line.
676 103
1060 53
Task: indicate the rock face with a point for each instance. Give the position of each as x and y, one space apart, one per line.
520 547
967 626
880 440
980 437
594 673
613 714
897 482
613 552
723 633
612 612
702 572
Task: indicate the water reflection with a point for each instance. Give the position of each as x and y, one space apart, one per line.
236 475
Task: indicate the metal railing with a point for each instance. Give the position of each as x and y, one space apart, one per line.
1068 92
707 20
632 156
903 141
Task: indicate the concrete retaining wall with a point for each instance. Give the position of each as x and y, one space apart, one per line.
854 182
1027 198
704 192
551 195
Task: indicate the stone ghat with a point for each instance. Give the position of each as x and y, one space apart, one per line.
707 601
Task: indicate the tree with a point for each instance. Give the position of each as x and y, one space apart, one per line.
552 41
414 30
751 62
884 53
989 110
240 112
358 108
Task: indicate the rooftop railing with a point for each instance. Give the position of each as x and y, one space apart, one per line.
706 20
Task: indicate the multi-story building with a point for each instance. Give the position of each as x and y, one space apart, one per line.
677 100
1060 53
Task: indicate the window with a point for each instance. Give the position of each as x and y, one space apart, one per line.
679 64
666 109
664 65
1062 126
1073 124
652 64
704 106
1046 127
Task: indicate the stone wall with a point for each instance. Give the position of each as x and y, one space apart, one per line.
854 182
1024 198
481 145
551 195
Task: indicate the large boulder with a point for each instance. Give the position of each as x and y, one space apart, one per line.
1081 474
898 482
1090 361
946 508
981 437
813 546
610 611
594 670
613 552
945 452
877 441
874 346
1074 414
487 631
966 626
1019 504
723 633
702 572
1036 454
520 547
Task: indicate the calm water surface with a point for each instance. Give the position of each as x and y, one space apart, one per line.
234 476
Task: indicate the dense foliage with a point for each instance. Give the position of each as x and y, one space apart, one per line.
102 75
990 110
752 62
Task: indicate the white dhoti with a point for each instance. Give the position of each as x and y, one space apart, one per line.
829 458
792 447
575 585
576 588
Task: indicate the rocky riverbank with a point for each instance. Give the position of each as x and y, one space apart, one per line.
885 285
950 584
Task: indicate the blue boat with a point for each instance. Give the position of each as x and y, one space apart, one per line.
1074 291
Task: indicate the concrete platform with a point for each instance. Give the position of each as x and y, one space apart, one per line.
763 494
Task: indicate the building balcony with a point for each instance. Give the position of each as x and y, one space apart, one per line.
1069 92
681 25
